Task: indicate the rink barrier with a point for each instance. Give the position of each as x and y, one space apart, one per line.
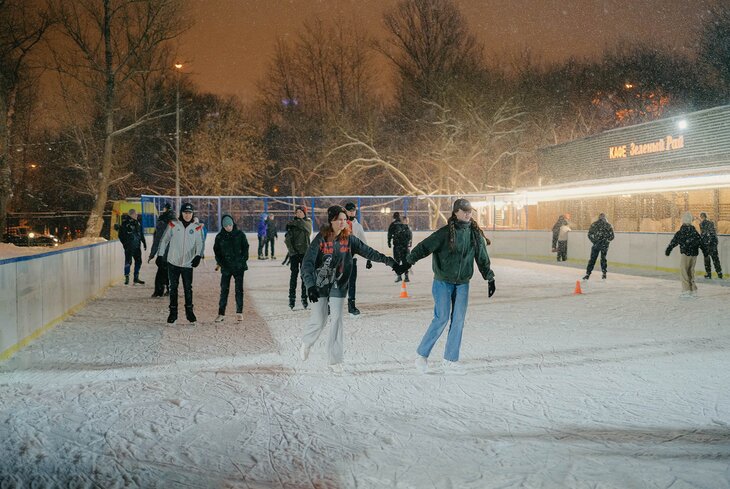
39 291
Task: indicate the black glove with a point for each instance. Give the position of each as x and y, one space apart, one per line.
492 287
196 261
368 264
388 245
401 268
668 252
313 294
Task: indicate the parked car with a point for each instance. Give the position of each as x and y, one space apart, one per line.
25 237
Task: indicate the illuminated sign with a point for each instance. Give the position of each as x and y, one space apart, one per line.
669 143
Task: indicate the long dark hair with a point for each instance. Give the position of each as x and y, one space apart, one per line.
327 232
476 231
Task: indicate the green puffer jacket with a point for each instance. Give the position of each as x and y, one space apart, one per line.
231 250
298 232
457 266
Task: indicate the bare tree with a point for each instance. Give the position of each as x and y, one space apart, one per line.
109 52
22 25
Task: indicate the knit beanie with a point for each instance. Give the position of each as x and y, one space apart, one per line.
227 221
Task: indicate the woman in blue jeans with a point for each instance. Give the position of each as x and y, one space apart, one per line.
455 248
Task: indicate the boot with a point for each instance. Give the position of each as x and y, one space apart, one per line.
398 279
352 309
172 317
126 280
406 279
190 315
603 275
291 304
305 304
708 275
587 276
138 281
719 274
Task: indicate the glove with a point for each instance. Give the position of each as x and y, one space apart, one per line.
668 252
492 287
488 241
313 294
368 264
401 268
196 261
388 245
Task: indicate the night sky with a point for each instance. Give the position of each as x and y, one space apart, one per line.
232 40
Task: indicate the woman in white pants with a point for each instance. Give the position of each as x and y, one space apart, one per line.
326 272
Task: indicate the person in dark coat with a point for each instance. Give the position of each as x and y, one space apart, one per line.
709 246
298 233
271 236
556 231
231 257
161 283
131 236
689 242
326 272
400 237
455 248
600 234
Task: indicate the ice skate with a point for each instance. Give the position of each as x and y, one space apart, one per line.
126 280
603 276
421 364
172 318
220 318
398 279
336 368
190 315
354 311
138 281
453 368
586 276
239 316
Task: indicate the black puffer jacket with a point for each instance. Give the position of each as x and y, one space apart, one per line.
130 233
600 232
328 264
162 223
231 250
709 235
688 239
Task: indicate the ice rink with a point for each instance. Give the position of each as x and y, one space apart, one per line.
625 386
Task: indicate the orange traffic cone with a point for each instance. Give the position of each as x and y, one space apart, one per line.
577 288
403 291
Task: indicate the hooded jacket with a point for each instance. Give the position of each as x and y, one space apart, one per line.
688 239
131 234
708 234
231 250
454 266
328 264
298 232
182 242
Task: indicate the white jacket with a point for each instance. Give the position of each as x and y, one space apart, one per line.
185 243
564 230
358 231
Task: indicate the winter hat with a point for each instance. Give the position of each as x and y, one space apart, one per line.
687 218
187 207
302 208
350 206
333 212
227 221
462 204
166 207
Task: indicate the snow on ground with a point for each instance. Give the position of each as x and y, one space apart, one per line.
625 386
11 251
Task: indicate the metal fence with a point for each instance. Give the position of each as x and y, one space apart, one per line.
374 212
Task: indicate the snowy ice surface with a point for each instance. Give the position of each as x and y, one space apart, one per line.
625 386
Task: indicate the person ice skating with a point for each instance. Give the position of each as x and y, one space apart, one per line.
689 242
131 235
326 272
600 234
455 248
163 221
182 243
298 233
359 232
563 241
556 231
271 236
231 257
261 233
709 246
400 237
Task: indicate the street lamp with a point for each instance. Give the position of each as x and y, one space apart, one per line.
178 67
